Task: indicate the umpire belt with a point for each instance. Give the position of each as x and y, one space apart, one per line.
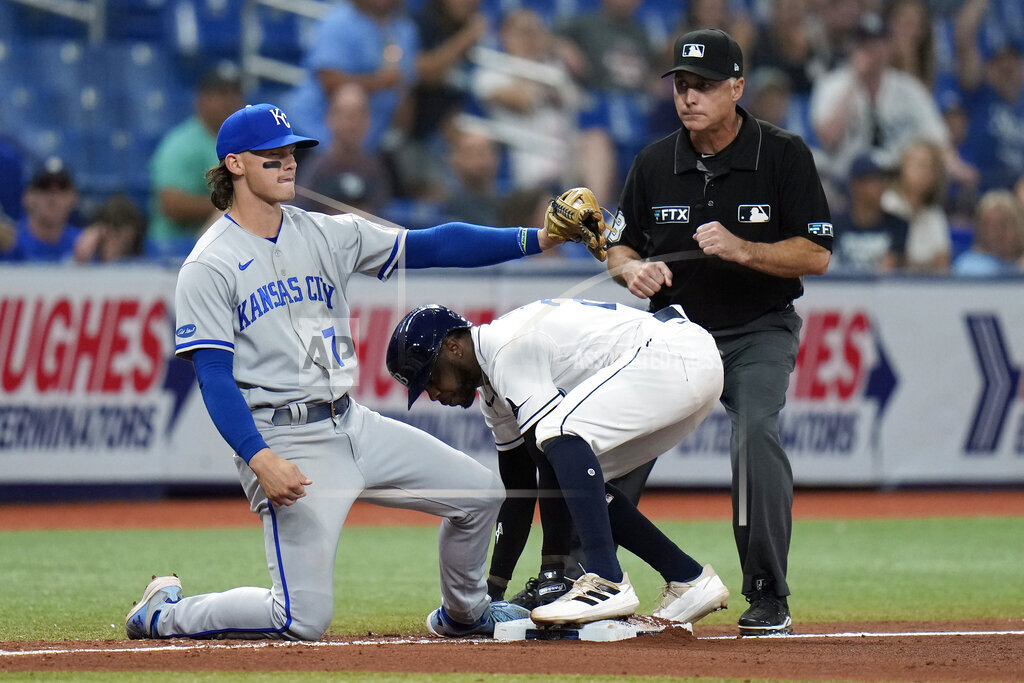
303 413
669 313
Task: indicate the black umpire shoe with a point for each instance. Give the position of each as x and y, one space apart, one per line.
768 613
541 590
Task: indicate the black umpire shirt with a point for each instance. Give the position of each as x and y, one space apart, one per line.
763 187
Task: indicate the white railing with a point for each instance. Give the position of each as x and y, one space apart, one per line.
258 67
90 12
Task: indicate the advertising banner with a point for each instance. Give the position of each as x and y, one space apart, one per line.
898 381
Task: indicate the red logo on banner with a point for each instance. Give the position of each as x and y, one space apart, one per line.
834 357
372 330
94 345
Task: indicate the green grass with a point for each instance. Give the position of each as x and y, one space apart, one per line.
79 584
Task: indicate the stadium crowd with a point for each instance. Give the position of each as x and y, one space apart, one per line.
450 109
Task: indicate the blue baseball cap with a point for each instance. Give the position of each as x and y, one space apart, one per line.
256 127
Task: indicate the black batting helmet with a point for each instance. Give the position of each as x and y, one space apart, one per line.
416 343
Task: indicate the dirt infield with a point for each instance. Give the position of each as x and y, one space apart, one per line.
891 651
663 505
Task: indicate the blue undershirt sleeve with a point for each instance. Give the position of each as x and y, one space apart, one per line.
464 245
224 402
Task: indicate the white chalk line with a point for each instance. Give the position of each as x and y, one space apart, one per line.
437 641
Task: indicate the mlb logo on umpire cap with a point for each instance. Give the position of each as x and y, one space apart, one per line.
257 127
709 53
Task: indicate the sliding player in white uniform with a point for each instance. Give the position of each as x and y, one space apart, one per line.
263 314
601 389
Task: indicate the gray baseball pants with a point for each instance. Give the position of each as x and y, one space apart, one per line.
361 455
758 366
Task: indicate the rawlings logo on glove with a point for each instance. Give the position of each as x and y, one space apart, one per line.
575 216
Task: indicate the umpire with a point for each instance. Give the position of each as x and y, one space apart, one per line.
724 216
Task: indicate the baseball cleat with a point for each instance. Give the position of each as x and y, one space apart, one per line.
141 619
690 601
767 615
541 590
590 599
440 624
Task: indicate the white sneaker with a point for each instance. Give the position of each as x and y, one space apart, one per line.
590 599
690 601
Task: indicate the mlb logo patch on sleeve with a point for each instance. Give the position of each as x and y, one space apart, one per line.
820 229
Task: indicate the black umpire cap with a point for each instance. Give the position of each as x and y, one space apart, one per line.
708 52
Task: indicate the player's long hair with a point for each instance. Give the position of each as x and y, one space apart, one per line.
222 189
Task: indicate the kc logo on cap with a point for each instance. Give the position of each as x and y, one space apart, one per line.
257 127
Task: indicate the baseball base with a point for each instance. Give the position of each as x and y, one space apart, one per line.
604 630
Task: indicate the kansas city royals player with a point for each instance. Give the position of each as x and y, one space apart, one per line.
263 314
601 389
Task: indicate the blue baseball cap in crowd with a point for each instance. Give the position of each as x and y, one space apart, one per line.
256 127
865 165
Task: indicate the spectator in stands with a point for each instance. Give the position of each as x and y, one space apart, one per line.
371 42
838 28
913 39
448 29
180 206
12 177
7 235
474 197
730 17
532 102
116 233
998 247
868 239
993 99
768 97
609 53
45 232
345 170
868 106
917 196
790 42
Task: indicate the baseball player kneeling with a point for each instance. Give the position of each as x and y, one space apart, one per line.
601 389
263 313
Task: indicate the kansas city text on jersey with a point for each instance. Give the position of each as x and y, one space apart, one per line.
277 293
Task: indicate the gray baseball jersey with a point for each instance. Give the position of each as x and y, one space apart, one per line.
280 307
630 385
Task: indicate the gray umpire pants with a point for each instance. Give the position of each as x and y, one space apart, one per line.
757 369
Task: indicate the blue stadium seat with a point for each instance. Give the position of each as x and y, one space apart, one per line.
140 85
30 22
7 19
148 20
283 34
208 29
54 62
661 18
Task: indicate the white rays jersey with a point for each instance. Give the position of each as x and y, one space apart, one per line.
630 385
281 307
